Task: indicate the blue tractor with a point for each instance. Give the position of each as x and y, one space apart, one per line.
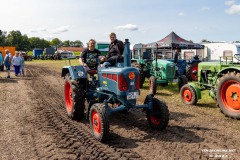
186 67
114 89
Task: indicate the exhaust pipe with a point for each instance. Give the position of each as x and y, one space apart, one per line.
127 54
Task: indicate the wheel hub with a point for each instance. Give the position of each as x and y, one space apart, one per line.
233 96
187 95
96 123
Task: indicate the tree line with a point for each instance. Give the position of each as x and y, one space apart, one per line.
24 43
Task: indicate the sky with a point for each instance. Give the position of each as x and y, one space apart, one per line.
140 21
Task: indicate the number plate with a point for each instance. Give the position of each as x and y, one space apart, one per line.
132 95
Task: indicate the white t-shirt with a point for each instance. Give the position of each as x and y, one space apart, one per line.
16 60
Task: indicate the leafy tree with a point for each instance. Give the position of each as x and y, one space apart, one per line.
66 43
14 38
206 41
3 38
36 42
77 43
56 42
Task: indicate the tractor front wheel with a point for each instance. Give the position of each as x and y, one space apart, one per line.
152 85
99 122
228 94
74 98
188 95
158 119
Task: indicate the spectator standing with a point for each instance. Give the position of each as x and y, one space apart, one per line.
1 59
22 64
89 58
16 63
7 62
176 55
115 50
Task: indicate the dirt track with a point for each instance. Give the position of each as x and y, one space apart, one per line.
34 125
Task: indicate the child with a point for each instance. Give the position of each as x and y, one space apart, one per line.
22 65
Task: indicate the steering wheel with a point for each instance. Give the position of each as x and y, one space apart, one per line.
237 56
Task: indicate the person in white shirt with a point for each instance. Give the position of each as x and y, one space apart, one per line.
16 63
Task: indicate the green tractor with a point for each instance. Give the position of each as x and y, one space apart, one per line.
143 62
222 79
159 71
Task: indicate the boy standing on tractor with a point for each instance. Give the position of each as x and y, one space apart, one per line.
89 58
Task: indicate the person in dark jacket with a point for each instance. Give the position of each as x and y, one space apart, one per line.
115 50
90 57
176 55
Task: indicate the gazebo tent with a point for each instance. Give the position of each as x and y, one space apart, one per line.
173 41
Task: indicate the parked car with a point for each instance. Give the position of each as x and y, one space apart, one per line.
26 56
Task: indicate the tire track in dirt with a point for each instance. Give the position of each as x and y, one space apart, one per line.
52 111
132 131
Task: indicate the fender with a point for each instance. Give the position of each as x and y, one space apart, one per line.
197 90
75 72
230 68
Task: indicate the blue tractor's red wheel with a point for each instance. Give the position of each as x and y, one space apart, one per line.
68 96
99 122
158 118
74 98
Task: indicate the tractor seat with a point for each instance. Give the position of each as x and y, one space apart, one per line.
92 72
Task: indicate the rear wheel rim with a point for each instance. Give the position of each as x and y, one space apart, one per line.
230 95
155 119
96 123
194 68
187 95
68 96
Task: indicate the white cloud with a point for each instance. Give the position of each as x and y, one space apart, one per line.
181 14
234 9
130 27
61 30
38 30
48 38
205 8
229 3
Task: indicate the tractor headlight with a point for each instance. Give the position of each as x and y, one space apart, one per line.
80 73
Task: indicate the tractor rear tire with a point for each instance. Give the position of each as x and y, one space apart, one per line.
99 122
142 75
182 81
159 119
74 98
189 71
188 95
228 94
152 85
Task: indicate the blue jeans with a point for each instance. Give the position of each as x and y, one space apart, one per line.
16 69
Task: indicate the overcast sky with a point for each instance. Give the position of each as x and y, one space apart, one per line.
141 21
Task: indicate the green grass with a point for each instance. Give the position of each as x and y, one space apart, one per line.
55 64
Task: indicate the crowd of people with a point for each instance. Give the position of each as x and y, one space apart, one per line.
17 61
